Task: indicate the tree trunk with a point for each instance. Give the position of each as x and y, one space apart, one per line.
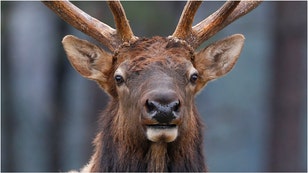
32 60
289 88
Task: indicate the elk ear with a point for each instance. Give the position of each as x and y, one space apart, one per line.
218 58
88 59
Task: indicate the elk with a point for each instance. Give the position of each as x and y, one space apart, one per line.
151 122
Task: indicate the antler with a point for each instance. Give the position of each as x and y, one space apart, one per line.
98 30
196 35
184 27
122 25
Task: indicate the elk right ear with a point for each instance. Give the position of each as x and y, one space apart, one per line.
88 59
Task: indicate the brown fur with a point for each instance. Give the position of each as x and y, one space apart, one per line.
151 122
121 144
150 68
127 152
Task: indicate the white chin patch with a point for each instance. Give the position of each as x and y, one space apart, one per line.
161 134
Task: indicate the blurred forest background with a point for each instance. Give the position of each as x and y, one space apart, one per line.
256 116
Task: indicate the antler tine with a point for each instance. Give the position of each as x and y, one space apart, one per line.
98 30
184 27
123 28
229 12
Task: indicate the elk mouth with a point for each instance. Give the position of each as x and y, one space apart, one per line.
161 132
162 126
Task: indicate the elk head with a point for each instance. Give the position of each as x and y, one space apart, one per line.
154 78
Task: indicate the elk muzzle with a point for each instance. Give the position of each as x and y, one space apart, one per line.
162 115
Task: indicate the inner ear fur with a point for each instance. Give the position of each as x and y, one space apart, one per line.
88 59
218 58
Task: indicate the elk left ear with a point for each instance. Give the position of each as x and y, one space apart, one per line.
218 58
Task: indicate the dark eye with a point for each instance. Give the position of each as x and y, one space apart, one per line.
193 78
119 79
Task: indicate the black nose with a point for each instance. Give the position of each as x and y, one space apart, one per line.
163 111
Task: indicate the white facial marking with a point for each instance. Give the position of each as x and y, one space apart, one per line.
162 134
192 70
120 72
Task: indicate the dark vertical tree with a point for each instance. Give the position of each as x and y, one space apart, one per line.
289 87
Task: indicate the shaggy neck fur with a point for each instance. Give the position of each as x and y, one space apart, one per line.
127 150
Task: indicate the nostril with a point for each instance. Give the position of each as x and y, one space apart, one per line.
150 106
175 106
